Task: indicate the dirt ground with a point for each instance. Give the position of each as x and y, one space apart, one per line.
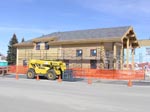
35 96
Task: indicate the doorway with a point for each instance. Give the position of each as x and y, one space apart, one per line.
93 64
107 64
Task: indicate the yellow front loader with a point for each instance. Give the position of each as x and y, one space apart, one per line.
47 68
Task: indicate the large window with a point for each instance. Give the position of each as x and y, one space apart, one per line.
38 45
93 52
79 52
46 46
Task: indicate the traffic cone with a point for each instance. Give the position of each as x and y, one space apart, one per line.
89 81
59 79
37 77
17 76
129 83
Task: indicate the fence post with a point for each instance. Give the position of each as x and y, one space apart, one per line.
17 73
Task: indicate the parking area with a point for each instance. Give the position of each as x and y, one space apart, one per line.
44 95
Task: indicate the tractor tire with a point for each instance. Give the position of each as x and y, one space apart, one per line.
51 75
30 74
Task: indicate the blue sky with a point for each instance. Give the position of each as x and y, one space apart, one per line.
33 18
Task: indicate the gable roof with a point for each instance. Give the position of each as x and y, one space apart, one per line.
115 32
84 36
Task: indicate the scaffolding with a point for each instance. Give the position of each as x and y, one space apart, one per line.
102 60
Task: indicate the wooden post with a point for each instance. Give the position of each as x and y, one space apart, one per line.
17 57
17 73
115 58
42 54
59 53
121 57
102 52
133 58
127 54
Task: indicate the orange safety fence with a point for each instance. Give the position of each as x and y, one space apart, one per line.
109 74
17 69
93 73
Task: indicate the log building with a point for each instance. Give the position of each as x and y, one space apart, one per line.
101 48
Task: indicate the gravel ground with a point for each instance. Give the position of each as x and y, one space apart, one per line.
35 96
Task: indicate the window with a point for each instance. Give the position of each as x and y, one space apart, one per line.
93 64
46 46
79 52
38 45
24 62
93 52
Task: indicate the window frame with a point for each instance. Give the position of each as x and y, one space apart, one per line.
25 62
46 46
38 45
79 54
91 53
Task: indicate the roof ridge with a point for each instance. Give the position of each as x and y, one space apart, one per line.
96 33
91 29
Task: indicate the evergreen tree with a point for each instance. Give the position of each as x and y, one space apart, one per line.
12 51
23 39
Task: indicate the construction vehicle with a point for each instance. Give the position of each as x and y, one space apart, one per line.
50 69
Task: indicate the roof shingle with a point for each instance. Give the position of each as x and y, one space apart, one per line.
116 32
90 34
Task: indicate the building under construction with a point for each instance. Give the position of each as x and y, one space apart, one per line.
101 48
